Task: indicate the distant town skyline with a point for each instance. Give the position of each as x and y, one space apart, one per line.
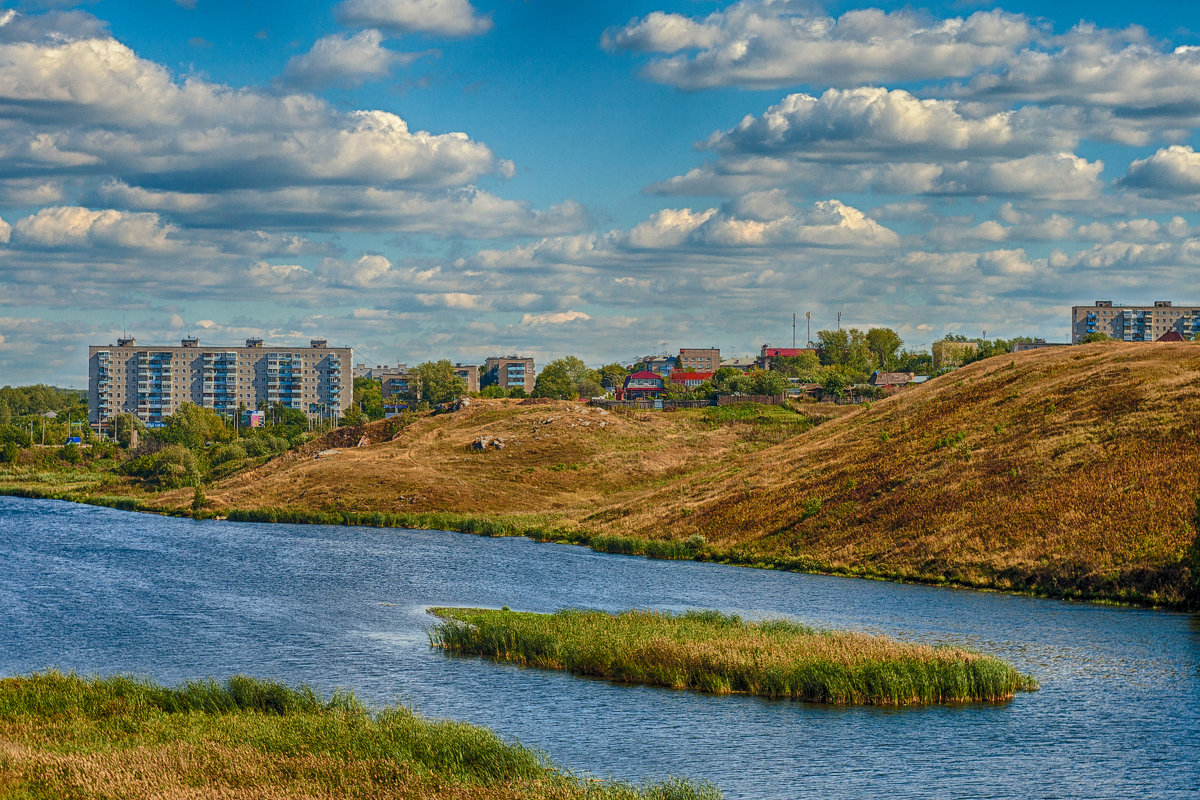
463 178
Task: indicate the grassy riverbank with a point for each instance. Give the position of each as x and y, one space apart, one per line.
711 652
65 736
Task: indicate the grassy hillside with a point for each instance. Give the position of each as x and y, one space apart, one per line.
557 459
1069 471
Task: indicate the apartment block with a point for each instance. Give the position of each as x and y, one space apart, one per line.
1134 323
395 381
151 382
470 375
698 360
508 372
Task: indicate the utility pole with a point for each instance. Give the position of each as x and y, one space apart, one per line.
793 331
808 316
839 320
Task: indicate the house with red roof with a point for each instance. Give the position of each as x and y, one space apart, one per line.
641 385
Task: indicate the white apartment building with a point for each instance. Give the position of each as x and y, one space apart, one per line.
150 382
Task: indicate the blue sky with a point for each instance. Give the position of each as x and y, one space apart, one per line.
459 178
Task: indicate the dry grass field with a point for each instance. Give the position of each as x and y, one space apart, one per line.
1067 471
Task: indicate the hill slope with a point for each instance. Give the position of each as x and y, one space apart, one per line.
1070 470
1065 471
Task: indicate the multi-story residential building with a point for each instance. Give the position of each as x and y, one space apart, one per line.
661 365
948 353
395 381
1134 323
509 372
693 359
469 374
151 382
376 372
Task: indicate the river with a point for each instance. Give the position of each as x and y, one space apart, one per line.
102 591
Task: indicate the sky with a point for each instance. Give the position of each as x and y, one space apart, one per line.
427 179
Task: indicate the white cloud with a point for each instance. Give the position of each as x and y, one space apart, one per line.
1174 170
74 227
554 318
345 61
5 231
367 270
763 44
436 17
1049 176
874 123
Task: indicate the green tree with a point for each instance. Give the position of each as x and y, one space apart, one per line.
835 382
883 344
805 367
122 427
846 349
368 396
437 382
771 383
1094 336
612 375
917 362
564 378
193 427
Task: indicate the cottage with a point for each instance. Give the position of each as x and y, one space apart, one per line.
891 380
689 380
640 385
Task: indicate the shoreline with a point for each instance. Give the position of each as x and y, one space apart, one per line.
537 529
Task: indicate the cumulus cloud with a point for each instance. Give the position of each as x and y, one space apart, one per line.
345 61
90 113
1108 69
765 43
877 123
5 231
74 227
455 18
366 270
1173 170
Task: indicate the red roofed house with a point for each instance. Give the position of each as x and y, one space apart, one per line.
689 380
640 385
1171 336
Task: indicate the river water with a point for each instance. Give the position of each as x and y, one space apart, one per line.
103 591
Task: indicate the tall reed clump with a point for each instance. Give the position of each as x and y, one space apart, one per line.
65 736
712 652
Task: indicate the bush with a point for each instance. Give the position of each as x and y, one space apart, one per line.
223 453
70 453
169 468
263 445
10 453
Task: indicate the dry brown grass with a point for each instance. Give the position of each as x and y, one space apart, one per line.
558 458
1065 471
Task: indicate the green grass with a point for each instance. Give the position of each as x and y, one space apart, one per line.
67 736
712 652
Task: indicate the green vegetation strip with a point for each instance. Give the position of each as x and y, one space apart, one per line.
66 736
712 652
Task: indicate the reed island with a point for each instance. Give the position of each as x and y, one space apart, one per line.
67 736
722 654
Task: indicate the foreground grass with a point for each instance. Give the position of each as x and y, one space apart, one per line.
712 652
66 736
